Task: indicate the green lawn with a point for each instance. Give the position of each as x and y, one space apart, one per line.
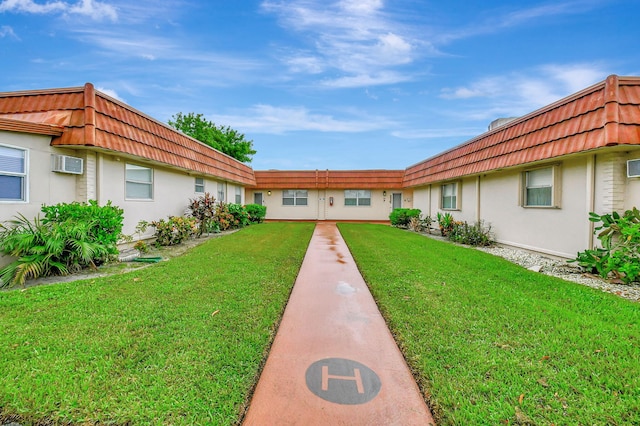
180 342
492 343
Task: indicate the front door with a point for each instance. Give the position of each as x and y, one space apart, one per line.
257 198
396 200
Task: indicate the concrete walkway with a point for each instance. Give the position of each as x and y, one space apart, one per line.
334 361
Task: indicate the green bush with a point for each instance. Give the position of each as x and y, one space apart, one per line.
240 215
257 212
473 235
619 257
402 217
203 209
104 222
174 230
224 219
445 222
48 248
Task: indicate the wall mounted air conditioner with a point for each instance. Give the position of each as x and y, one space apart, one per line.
68 164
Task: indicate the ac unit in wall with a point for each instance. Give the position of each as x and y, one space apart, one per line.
68 164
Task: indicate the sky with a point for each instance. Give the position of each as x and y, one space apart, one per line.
325 84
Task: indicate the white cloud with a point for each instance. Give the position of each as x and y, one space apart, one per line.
366 80
90 8
7 31
277 120
29 6
524 92
110 92
95 10
353 37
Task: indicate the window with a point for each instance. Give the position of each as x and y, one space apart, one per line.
449 199
139 182
357 197
539 187
13 174
238 195
199 188
221 191
294 197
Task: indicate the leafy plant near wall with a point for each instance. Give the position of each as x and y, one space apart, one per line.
256 212
105 222
402 217
47 248
445 222
203 209
477 234
240 214
174 230
224 218
619 257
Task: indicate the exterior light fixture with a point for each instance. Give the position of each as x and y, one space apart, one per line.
268 192
384 193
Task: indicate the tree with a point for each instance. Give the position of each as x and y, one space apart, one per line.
224 139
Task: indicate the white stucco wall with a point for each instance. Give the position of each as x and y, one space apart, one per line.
557 231
44 185
172 190
320 208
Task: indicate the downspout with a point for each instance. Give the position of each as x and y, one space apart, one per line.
90 139
591 197
478 217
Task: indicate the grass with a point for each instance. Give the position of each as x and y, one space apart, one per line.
493 343
180 342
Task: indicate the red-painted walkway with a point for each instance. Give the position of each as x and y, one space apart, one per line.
334 361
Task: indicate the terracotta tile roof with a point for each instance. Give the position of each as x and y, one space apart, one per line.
324 179
605 114
93 119
28 127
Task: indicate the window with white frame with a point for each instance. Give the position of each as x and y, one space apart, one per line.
221 191
238 195
138 182
539 185
357 197
295 197
199 186
449 196
13 174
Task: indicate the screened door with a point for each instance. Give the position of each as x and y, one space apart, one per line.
396 200
257 198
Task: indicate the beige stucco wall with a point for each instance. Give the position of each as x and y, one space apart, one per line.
319 208
44 185
172 191
495 199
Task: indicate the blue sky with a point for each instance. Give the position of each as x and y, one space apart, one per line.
317 84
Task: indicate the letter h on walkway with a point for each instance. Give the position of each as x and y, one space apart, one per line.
356 378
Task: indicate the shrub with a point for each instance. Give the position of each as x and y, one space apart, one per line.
445 222
48 248
174 230
203 210
402 217
473 235
240 215
104 222
224 218
619 256
257 212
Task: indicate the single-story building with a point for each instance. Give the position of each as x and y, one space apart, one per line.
78 144
534 179
329 194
